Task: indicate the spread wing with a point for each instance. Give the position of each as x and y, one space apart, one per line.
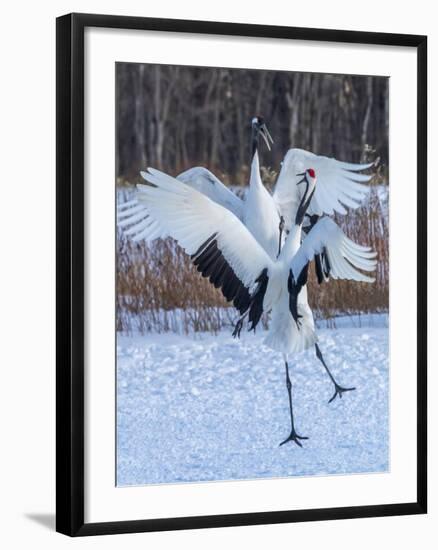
343 256
338 184
220 246
340 257
209 185
134 217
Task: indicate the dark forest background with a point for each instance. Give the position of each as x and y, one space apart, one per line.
175 117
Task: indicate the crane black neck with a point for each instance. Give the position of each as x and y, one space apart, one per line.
304 205
254 141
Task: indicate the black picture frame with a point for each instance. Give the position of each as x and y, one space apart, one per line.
70 273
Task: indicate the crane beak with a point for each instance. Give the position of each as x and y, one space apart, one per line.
304 176
266 136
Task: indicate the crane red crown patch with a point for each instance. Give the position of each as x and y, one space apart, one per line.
311 172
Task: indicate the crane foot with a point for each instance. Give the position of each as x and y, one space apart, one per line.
339 390
238 328
294 437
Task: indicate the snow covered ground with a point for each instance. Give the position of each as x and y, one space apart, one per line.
204 407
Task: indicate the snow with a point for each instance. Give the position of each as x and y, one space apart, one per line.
204 407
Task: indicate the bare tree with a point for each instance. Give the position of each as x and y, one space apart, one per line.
174 117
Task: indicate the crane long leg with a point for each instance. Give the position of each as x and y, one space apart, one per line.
238 326
339 390
293 434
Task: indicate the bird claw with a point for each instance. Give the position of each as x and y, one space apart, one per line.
339 390
294 437
237 328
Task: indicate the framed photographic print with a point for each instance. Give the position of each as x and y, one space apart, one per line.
241 263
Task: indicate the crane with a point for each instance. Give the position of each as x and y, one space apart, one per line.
224 250
268 217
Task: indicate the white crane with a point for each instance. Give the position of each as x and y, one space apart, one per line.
225 251
339 183
268 217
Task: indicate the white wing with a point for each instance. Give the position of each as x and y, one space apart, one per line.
220 245
133 216
209 185
338 184
344 256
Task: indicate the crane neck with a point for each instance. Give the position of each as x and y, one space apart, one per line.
292 244
293 241
254 141
255 179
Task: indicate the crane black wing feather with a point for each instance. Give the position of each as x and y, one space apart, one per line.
220 246
335 255
211 263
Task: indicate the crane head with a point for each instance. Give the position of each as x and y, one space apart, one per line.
259 128
307 175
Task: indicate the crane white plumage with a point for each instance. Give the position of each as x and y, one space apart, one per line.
243 270
208 184
339 184
134 217
196 222
224 250
257 210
